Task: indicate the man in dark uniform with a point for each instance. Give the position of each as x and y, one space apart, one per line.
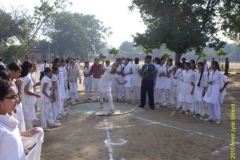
148 78
226 66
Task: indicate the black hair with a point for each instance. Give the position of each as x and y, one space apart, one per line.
62 60
2 68
4 75
55 61
26 65
183 60
187 63
85 64
4 87
170 60
54 69
194 65
202 64
136 60
0 59
179 64
216 64
45 61
107 61
46 70
13 67
148 56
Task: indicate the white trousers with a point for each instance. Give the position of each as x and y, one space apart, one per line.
95 82
46 115
170 95
110 100
55 110
137 92
199 107
73 91
187 105
127 93
88 91
214 111
159 96
119 91
61 109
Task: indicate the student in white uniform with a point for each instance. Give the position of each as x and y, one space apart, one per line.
205 65
127 76
177 84
200 84
186 94
44 65
15 72
136 80
120 88
28 94
169 83
45 102
87 82
105 83
56 95
73 75
57 63
160 82
33 76
11 147
64 68
114 83
215 93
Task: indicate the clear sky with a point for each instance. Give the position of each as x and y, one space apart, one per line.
113 13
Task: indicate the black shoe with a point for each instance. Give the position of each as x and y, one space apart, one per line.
152 108
197 115
140 106
69 99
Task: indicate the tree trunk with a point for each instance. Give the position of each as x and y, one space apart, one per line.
178 57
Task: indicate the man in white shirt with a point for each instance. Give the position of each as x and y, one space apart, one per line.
44 65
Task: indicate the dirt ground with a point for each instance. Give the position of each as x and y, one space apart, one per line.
145 134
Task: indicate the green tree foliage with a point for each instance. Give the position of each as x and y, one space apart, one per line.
180 25
81 35
200 53
221 53
11 53
147 51
166 55
113 51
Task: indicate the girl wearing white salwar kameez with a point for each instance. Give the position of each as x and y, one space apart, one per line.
160 82
56 95
11 145
200 82
169 83
186 94
33 76
120 88
15 72
105 83
177 84
215 92
57 63
136 79
127 76
45 102
65 71
87 82
28 94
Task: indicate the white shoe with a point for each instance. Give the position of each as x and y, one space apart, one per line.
46 129
56 124
59 117
218 121
201 117
111 112
63 114
208 120
73 103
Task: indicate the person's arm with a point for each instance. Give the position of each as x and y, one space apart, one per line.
30 133
28 92
121 83
79 76
45 93
53 92
224 79
18 83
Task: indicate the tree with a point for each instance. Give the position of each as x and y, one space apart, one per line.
147 51
221 53
181 25
77 34
166 55
200 53
9 27
113 51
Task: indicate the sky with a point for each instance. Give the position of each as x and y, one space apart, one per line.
113 13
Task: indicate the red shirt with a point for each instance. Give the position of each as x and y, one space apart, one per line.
96 70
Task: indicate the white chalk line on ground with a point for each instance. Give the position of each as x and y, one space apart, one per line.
199 133
109 143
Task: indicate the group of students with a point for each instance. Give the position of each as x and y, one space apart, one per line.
192 85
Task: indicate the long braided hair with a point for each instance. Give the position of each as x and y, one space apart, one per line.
201 64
